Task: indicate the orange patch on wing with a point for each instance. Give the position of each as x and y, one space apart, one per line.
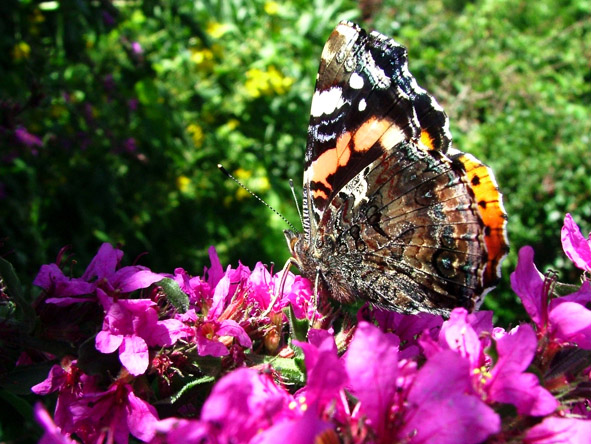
370 132
328 163
427 140
366 136
490 207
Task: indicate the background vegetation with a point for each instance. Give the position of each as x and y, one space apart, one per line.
114 114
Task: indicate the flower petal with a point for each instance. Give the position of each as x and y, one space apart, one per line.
104 263
106 342
528 283
571 322
559 430
133 354
372 366
141 417
232 328
575 246
456 418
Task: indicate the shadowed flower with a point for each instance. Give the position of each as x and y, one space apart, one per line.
26 138
52 433
110 416
101 273
71 384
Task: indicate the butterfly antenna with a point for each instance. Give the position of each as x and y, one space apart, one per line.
295 199
225 171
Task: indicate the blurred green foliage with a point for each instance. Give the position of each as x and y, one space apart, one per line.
114 115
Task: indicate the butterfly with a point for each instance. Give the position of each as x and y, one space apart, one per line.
392 213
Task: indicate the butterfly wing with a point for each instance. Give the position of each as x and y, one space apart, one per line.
341 140
389 216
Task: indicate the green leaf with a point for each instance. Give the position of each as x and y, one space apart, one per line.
10 280
189 386
174 294
298 329
147 92
20 380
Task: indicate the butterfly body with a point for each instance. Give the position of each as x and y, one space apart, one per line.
392 214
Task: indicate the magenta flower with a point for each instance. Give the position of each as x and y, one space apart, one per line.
137 49
71 384
459 334
52 433
575 246
440 407
112 415
507 381
52 279
510 383
182 431
101 273
244 403
209 337
307 429
224 290
296 291
554 430
435 404
372 366
566 318
326 374
131 325
26 138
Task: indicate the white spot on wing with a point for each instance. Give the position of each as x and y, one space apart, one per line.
327 101
362 105
356 81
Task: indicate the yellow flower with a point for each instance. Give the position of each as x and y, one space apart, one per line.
255 82
232 124
196 134
203 58
216 30
242 174
21 51
279 83
257 185
271 8
272 81
183 183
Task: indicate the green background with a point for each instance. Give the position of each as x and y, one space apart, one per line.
134 103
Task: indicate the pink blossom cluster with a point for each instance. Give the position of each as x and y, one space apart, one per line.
221 358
